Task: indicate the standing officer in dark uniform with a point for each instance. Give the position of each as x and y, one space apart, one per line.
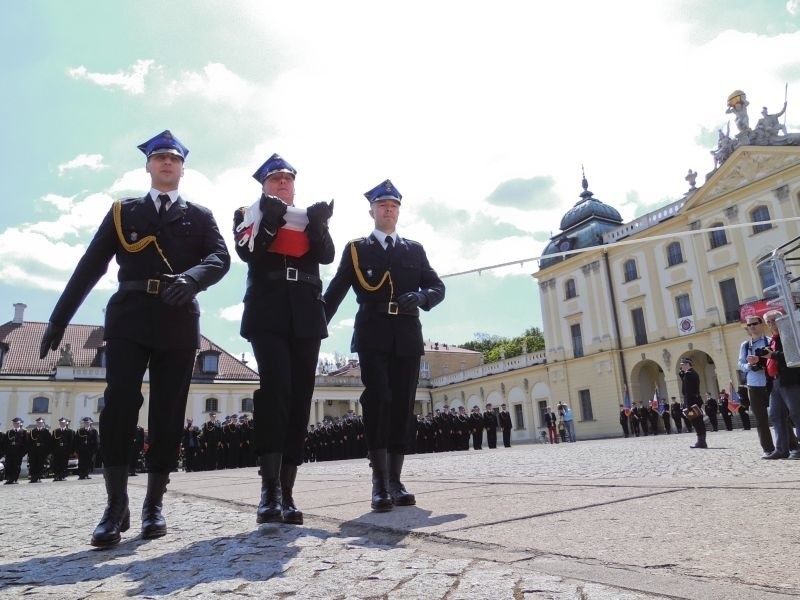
392 280
690 387
623 420
284 321
675 409
63 444
505 425
86 444
210 439
168 250
725 410
38 449
712 409
15 447
191 446
665 416
490 423
476 424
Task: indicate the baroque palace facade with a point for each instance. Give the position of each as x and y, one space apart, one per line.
622 303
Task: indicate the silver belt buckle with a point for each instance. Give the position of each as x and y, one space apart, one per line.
393 309
153 285
291 274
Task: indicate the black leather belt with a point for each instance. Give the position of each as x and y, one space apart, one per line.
390 308
154 287
292 274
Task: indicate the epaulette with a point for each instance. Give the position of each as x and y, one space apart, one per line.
353 241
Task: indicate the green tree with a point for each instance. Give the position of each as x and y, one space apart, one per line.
494 347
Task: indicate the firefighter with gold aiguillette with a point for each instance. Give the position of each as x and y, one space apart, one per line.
392 280
168 250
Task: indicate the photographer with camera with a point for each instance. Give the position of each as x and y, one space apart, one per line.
752 362
784 401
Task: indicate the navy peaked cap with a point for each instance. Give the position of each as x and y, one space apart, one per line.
384 191
164 143
274 164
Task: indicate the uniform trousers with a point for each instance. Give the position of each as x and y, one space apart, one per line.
170 376
286 371
759 403
390 385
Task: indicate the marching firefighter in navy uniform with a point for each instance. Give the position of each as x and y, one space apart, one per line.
63 445
284 321
168 250
39 446
392 280
86 445
15 447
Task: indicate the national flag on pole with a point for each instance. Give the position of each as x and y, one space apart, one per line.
734 402
626 400
654 401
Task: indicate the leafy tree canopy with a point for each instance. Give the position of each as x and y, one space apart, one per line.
494 347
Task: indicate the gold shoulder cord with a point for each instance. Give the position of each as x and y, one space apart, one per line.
360 276
141 244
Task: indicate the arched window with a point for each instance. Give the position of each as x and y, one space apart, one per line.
717 237
674 254
40 405
760 213
630 270
212 405
247 405
569 289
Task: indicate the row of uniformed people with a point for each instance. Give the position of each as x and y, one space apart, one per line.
226 444
48 448
452 429
336 439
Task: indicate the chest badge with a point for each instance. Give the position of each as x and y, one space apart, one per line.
134 236
369 272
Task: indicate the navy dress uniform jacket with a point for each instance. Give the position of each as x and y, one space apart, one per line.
410 270
277 305
191 242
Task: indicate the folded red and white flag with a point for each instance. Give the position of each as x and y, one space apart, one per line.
291 239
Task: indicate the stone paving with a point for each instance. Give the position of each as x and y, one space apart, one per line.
593 520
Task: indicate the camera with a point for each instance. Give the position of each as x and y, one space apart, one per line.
761 351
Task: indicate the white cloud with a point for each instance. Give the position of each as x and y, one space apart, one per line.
792 6
131 82
62 203
216 83
93 162
232 313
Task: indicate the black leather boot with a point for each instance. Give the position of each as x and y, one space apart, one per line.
153 523
116 518
400 496
290 513
381 500
269 509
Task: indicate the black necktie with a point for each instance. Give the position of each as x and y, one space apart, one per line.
389 246
162 210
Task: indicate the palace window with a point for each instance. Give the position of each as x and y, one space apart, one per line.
717 237
639 326
212 405
630 270
760 213
586 405
247 405
577 340
730 300
40 405
684 305
569 289
674 254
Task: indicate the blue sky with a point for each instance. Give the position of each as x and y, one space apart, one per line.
482 115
